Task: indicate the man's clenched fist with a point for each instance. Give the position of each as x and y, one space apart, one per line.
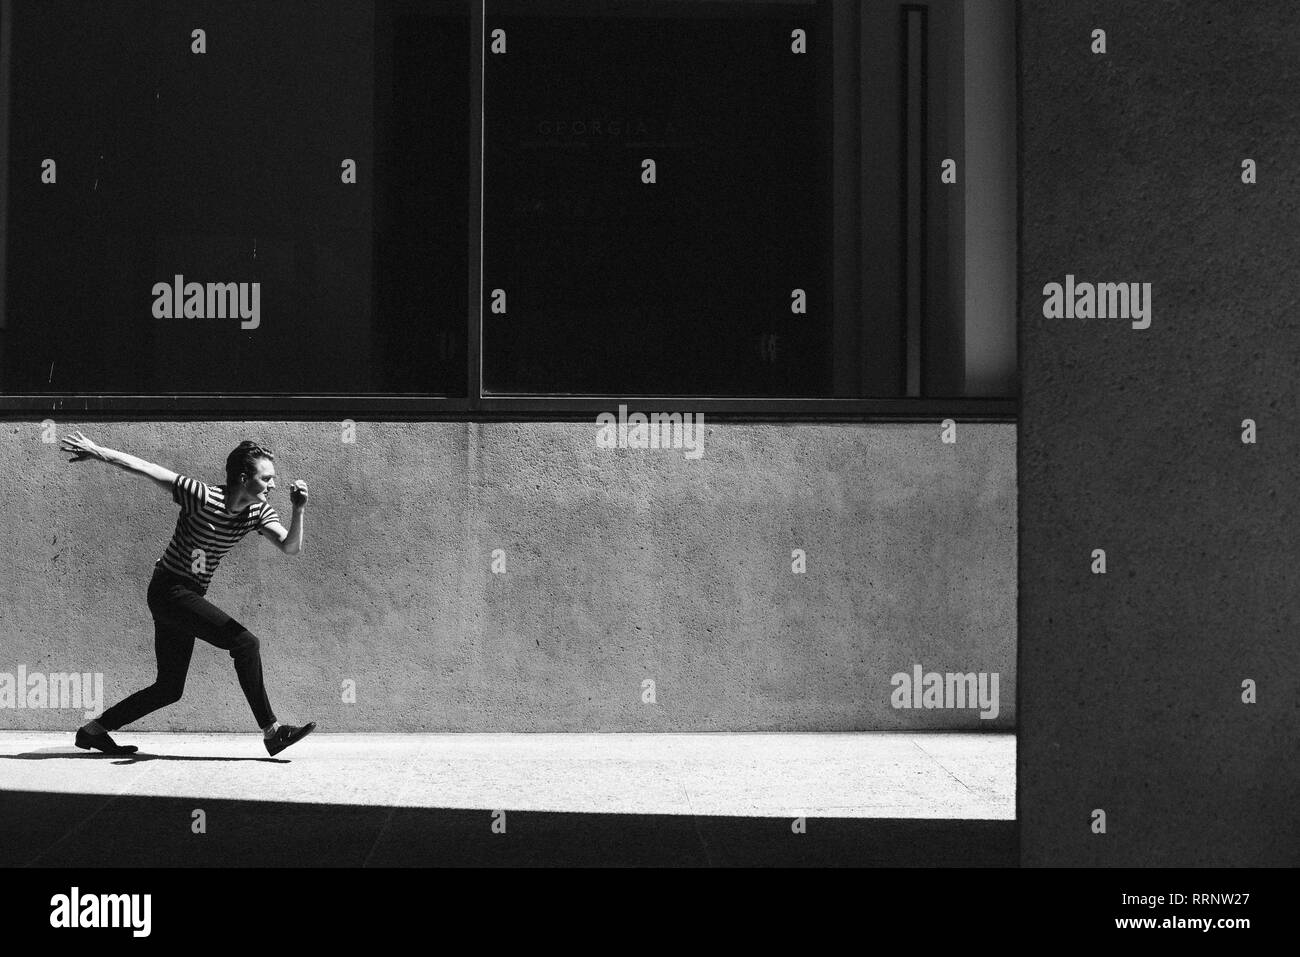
298 492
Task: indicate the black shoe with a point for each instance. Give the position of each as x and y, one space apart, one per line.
102 742
286 735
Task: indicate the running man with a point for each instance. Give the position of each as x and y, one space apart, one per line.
212 519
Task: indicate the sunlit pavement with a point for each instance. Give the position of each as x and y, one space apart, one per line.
513 799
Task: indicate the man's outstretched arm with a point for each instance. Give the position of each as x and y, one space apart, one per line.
83 448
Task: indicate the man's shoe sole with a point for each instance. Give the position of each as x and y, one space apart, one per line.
305 730
111 749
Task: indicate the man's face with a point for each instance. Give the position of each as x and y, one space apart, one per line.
261 481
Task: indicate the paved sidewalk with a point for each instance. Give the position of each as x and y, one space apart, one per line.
394 799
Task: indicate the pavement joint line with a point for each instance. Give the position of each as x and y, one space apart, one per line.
78 826
942 767
411 757
695 820
378 837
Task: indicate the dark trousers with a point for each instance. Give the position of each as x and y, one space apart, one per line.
181 613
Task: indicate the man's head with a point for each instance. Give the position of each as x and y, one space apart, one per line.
250 471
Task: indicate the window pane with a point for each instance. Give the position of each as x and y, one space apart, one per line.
226 168
681 286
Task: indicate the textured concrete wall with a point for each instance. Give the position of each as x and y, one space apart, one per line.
1131 439
621 565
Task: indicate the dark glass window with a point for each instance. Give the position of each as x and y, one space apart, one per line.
680 287
225 168
501 250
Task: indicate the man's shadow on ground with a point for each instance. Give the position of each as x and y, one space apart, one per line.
50 754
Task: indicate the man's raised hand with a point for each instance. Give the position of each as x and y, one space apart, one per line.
83 448
298 492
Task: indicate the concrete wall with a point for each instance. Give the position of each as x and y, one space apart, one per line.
622 565
1131 439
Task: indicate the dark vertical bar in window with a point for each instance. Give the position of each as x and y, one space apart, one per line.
474 352
989 236
943 318
848 368
386 202
6 20
882 132
914 191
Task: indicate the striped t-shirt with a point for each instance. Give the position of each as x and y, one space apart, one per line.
204 524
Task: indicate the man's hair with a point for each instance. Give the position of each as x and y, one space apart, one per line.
244 459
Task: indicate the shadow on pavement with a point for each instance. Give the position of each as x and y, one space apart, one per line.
125 758
45 829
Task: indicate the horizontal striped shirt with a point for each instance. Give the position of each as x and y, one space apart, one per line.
205 531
